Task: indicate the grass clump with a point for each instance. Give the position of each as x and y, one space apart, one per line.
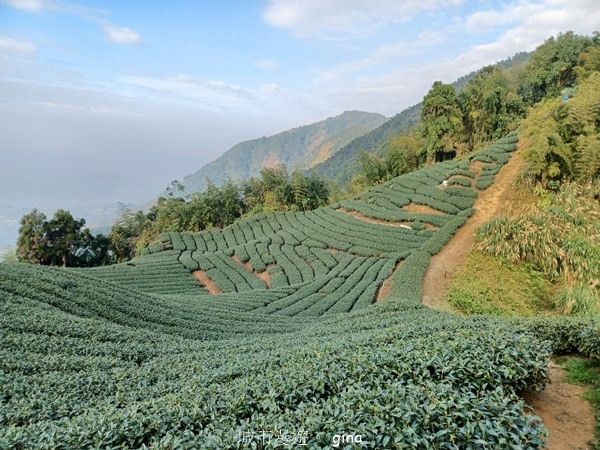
560 237
487 285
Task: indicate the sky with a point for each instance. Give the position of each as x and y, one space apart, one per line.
108 101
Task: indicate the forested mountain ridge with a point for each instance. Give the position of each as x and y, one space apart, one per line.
300 147
345 164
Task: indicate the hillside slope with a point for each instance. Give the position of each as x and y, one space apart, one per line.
343 165
141 355
300 147
489 204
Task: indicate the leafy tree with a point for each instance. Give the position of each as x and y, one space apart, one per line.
373 170
63 234
232 204
31 243
125 233
589 62
551 67
61 241
579 127
317 193
490 108
409 146
441 118
299 189
395 162
562 139
91 251
543 147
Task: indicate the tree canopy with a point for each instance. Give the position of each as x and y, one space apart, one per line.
442 123
61 241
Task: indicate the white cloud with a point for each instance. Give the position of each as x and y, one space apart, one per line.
535 22
122 35
8 45
511 13
43 5
265 64
210 95
525 25
227 100
382 54
26 5
318 18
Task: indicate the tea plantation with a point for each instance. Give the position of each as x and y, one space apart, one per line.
292 351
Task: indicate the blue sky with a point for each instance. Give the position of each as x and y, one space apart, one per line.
106 101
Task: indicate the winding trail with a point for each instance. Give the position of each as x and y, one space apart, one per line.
489 203
568 418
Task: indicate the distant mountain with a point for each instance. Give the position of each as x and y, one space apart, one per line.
302 147
345 163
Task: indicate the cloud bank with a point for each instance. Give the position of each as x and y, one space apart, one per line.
122 35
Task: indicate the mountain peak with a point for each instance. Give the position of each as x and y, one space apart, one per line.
299 148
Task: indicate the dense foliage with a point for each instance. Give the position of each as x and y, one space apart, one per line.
562 138
552 66
61 241
559 236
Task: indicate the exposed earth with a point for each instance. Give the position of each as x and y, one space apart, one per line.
569 419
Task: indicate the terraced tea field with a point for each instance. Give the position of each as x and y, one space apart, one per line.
288 347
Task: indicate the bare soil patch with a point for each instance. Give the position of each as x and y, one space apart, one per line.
265 276
477 167
206 282
333 251
490 203
384 290
569 418
246 265
421 209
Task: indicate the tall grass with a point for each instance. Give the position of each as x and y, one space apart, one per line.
560 236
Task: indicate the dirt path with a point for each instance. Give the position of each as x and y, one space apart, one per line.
489 203
569 419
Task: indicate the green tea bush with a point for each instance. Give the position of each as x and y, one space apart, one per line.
138 355
484 181
460 181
